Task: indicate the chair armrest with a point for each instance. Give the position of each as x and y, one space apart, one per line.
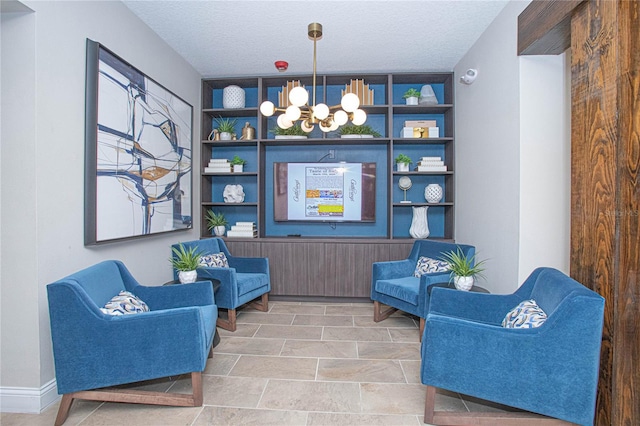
227 293
482 307
249 264
393 269
176 296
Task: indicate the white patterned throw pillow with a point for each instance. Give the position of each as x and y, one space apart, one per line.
218 260
125 303
426 265
526 315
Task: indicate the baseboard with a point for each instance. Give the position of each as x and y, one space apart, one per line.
28 400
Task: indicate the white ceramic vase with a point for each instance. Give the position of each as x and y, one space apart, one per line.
433 193
233 97
219 230
463 283
412 100
225 136
238 168
419 226
187 277
402 167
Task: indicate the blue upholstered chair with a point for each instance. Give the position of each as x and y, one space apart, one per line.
394 284
246 279
550 370
93 349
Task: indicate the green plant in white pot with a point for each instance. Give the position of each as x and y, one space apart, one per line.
463 269
402 162
216 222
226 127
411 96
186 261
238 163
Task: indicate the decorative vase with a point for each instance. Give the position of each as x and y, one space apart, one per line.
463 283
187 277
433 193
419 227
225 136
413 100
233 97
402 167
219 230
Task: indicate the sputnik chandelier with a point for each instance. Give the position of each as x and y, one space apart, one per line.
328 118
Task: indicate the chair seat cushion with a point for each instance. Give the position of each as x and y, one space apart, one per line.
248 282
405 288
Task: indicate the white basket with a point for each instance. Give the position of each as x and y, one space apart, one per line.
233 97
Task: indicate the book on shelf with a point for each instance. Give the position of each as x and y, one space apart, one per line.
430 163
430 158
431 168
243 234
218 169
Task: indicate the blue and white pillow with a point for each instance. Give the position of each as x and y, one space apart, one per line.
124 303
217 260
526 315
426 265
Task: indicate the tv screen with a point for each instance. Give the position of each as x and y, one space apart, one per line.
324 192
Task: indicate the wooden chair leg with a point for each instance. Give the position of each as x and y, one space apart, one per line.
63 410
263 304
421 328
228 324
379 314
519 418
133 396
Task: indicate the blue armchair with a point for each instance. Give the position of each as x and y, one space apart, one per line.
246 279
93 349
394 284
550 370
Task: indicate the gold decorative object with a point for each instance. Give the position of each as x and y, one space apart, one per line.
361 90
283 95
328 118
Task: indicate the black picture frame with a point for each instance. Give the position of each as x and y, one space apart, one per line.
138 152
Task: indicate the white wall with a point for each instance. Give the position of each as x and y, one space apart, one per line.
43 167
512 164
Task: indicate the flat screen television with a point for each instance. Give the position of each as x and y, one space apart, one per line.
324 192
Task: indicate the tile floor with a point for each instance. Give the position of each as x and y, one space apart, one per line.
299 364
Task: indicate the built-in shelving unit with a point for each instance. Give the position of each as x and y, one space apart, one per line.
388 237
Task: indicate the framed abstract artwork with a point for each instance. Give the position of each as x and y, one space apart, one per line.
138 162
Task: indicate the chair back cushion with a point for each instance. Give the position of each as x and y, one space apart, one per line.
101 282
552 287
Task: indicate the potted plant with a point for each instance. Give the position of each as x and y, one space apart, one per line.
226 127
186 261
411 96
463 269
362 131
402 162
216 222
293 132
238 164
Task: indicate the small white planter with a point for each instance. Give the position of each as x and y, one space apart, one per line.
219 230
187 277
402 167
412 100
238 168
463 283
225 136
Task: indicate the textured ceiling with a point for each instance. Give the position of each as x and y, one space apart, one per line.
235 38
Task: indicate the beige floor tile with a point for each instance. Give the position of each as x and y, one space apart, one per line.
380 398
243 330
341 419
258 317
411 371
308 309
358 309
272 367
220 364
389 350
79 411
290 332
320 349
320 320
356 370
405 334
233 391
139 414
356 334
311 396
248 346
249 416
400 321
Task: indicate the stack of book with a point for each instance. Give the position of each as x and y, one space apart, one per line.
431 164
243 229
218 165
